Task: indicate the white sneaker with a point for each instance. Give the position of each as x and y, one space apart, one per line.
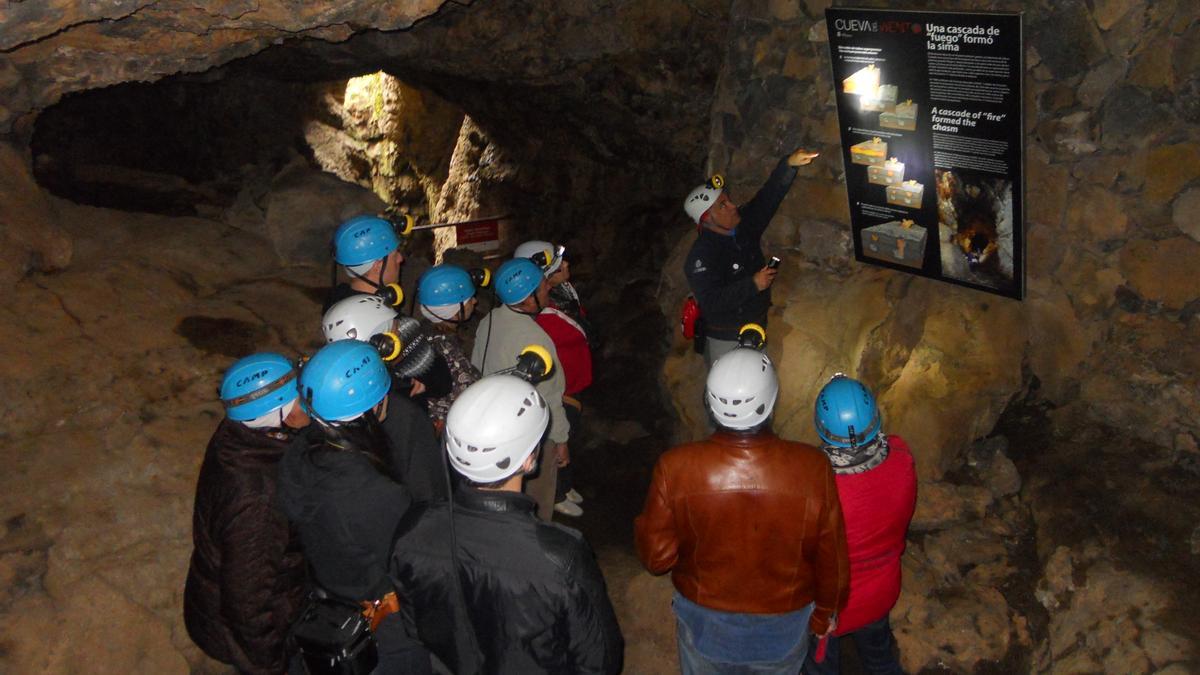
569 508
574 497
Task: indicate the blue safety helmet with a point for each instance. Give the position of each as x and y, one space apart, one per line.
257 384
444 285
343 380
364 239
517 279
846 415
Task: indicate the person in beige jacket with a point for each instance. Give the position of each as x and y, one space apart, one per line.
501 336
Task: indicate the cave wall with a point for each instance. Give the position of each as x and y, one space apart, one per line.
1107 330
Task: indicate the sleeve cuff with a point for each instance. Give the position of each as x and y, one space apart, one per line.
818 623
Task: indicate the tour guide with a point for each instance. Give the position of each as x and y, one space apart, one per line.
725 268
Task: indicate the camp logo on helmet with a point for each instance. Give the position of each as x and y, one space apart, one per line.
250 378
354 369
362 233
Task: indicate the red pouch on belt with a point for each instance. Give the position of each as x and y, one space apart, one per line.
688 317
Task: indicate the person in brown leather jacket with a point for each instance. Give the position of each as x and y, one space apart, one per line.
750 528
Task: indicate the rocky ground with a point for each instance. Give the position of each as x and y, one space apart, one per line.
109 398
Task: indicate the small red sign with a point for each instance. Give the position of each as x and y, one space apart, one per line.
480 235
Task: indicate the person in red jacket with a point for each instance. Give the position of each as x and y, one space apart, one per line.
877 488
563 320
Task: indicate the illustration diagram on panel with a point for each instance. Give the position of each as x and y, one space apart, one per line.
890 172
901 116
908 193
869 152
897 241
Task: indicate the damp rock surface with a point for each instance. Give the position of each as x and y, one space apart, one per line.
105 423
1112 171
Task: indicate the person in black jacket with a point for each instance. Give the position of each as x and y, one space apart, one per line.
246 581
485 584
346 491
415 460
725 266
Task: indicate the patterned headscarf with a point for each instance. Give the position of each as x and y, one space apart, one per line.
857 460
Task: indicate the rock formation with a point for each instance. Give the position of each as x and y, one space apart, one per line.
1059 552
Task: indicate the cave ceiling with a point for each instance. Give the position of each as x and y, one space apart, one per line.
626 77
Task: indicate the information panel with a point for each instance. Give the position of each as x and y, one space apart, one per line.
929 105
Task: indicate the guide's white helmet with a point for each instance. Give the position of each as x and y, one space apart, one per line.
703 197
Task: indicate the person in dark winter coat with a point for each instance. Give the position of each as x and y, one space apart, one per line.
246 581
485 584
725 266
346 491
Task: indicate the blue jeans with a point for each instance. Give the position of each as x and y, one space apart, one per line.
712 642
876 652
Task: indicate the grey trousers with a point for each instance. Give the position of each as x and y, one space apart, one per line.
541 487
715 349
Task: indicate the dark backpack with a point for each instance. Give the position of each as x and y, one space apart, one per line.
334 638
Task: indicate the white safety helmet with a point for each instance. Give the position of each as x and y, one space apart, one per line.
493 427
357 317
547 256
703 197
742 388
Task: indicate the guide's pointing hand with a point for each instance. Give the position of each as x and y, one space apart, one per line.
801 157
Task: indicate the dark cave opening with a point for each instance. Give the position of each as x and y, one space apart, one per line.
170 147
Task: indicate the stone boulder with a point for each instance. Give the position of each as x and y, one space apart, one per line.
30 235
940 505
1110 625
948 623
92 569
1163 271
305 206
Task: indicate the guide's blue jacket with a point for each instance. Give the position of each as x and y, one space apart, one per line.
720 269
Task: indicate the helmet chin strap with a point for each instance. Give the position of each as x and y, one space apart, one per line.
377 285
536 301
367 280
461 313
383 270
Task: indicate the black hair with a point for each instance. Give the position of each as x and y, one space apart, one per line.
364 436
487 486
